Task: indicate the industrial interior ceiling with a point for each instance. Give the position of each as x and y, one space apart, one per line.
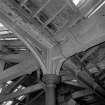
52 52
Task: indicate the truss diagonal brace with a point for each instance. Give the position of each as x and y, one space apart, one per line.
27 90
25 67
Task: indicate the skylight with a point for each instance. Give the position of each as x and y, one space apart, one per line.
7 103
4 30
1 25
76 2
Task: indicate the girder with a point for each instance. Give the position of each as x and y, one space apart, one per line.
41 52
25 41
2 64
39 34
87 79
36 34
16 57
82 93
24 67
29 89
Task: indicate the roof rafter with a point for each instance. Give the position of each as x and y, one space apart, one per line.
25 67
30 42
27 90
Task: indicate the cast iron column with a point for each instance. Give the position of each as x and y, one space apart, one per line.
50 80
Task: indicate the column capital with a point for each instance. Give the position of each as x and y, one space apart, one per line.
51 79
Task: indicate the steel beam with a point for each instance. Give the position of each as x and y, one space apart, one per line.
89 53
49 55
27 90
28 35
43 39
14 85
87 79
25 67
35 98
82 93
2 64
16 57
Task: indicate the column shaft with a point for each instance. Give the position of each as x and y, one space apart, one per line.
50 96
50 81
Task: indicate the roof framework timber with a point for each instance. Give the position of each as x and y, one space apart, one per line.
25 39
27 90
2 64
16 57
25 67
29 38
50 54
33 44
